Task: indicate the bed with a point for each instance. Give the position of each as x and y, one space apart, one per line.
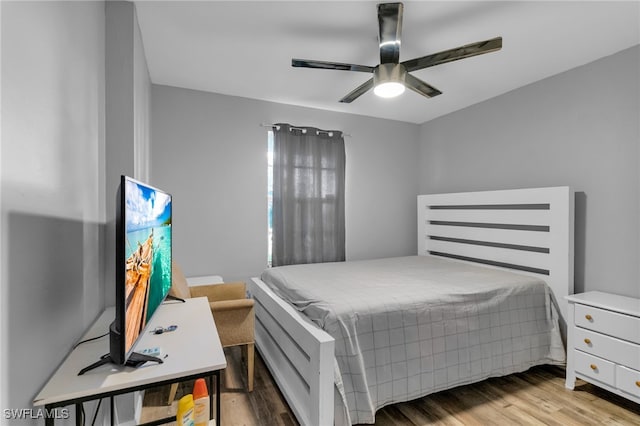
419 324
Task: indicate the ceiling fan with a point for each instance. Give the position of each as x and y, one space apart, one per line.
391 77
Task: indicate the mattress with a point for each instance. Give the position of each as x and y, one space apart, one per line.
406 327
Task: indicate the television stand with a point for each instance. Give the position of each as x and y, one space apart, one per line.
191 357
135 360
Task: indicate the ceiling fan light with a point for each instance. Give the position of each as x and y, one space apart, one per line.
389 89
388 80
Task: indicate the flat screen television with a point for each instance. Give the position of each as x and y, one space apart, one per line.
143 267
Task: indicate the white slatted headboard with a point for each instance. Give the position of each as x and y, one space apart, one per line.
529 230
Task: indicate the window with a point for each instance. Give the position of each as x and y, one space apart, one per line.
269 196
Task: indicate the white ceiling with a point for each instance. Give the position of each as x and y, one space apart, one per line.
245 48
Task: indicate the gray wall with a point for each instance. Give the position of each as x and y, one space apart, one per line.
52 189
579 128
128 97
209 151
65 143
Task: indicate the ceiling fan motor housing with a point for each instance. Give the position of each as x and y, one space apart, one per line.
386 73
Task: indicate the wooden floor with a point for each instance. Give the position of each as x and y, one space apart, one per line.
264 406
536 397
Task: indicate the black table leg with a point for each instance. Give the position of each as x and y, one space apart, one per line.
210 384
48 420
112 409
218 397
79 419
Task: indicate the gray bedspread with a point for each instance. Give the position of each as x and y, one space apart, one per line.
409 326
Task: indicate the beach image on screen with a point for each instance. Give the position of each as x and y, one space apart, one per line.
148 256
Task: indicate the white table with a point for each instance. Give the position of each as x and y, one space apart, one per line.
192 351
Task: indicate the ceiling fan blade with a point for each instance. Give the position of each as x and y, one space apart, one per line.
417 85
390 23
358 91
455 54
330 65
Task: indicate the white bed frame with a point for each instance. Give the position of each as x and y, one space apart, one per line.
530 230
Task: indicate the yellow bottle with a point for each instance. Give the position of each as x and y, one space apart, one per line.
184 416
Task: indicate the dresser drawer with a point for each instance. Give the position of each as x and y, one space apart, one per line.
628 380
610 348
595 367
623 326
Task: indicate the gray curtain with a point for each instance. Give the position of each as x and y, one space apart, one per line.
308 195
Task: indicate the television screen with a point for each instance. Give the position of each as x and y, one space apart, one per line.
143 268
147 248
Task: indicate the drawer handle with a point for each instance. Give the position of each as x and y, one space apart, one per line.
587 341
638 383
593 367
588 317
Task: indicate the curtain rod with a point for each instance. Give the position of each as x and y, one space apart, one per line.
346 135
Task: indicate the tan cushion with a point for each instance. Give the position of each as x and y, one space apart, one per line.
179 286
235 326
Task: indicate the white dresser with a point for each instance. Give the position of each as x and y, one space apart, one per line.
603 342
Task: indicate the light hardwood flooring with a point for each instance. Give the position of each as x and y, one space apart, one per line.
535 397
